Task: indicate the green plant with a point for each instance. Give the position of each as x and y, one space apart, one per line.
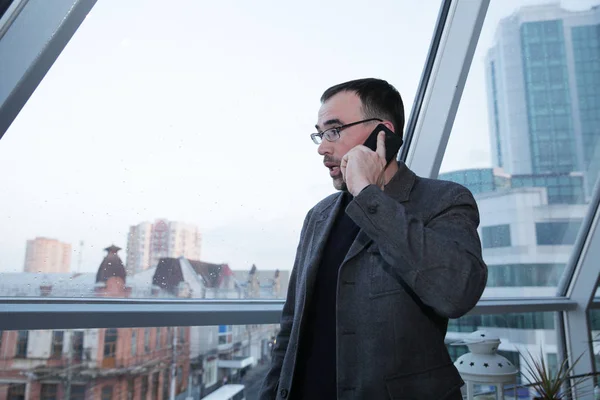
549 384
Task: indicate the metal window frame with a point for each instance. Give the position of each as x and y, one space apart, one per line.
445 86
581 288
68 313
60 19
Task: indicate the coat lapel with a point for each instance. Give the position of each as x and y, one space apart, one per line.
322 228
398 188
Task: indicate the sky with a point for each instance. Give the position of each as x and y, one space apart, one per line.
201 113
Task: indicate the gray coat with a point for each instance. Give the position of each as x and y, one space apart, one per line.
415 263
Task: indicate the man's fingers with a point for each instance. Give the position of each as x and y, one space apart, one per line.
343 165
381 144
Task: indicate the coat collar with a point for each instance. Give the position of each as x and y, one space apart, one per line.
398 188
401 184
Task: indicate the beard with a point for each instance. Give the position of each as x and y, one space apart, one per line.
339 184
338 180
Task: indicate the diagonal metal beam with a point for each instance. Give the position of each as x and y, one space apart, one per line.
30 44
446 84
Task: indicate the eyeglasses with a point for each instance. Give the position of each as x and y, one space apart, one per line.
333 134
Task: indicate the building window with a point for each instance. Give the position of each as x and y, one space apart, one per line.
77 392
107 393
133 342
155 385
110 342
225 335
147 340
181 334
144 387
495 236
518 275
166 384
130 389
557 232
22 339
16 392
77 346
57 343
49 392
158 330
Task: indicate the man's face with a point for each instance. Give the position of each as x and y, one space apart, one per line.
343 108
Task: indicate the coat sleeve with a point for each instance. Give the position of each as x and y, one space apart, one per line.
268 390
440 260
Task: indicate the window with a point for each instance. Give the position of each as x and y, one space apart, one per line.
77 345
49 392
181 335
144 387
225 334
158 331
166 384
535 92
78 392
110 342
262 56
57 343
133 342
130 389
557 233
22 339
147 340
16 392
107 393
155 385
495 236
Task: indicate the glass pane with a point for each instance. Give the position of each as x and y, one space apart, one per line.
534 146
522 336
202 365
184 132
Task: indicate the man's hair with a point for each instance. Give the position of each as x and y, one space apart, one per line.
379 99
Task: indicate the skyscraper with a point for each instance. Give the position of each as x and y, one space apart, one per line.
47 256
149 242
543 81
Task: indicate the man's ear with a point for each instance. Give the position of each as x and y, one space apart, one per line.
389 125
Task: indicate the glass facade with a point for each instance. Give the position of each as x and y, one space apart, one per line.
557 232
524 275
586 53
561 188
547 94
495 236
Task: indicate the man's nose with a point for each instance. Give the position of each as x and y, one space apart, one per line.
326 147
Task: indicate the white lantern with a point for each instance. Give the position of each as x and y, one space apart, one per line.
483 365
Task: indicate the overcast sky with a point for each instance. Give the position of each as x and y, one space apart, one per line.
201 112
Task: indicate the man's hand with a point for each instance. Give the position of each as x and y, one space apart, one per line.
362 167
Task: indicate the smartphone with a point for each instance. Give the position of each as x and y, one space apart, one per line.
393 142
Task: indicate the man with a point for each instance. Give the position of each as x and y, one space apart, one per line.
380 267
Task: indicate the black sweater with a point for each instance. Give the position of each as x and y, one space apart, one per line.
315 373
